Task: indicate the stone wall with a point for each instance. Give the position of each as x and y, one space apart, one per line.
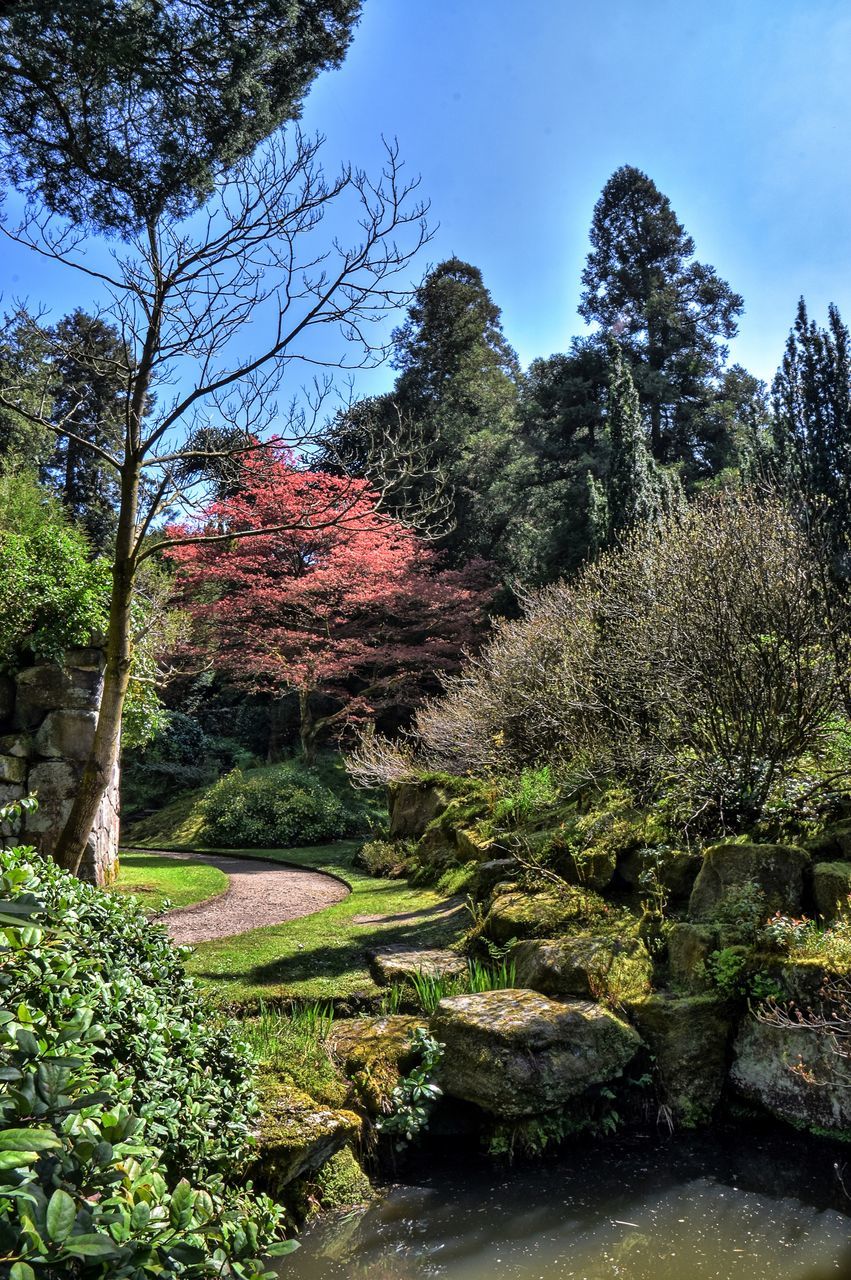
48 714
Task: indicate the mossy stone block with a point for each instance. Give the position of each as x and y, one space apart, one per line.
516 1053
688 1036
831 886
777 869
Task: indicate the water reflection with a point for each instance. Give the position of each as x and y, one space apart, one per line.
767 1208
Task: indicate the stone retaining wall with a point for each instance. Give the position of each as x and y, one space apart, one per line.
48 714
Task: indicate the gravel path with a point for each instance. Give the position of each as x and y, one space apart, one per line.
258 893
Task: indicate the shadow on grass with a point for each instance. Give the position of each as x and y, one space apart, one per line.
429 928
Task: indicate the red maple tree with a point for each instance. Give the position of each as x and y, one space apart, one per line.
333 597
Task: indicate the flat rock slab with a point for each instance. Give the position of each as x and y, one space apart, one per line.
258 894
516 1053
397 964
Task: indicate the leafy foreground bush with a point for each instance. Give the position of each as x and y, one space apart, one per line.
124 1108
283 809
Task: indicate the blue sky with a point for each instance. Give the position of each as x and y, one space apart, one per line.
516 113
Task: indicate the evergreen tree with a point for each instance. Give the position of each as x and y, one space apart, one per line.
24 364
671 313
117 113
632 484
812 429
91 374
457 395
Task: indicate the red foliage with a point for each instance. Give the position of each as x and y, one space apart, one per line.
337 598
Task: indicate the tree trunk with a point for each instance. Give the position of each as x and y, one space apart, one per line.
103 758
307 727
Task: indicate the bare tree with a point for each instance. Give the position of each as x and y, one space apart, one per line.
213 313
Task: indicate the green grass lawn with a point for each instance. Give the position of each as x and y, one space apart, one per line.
153 880
322 957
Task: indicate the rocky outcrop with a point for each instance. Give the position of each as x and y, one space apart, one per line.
48 714
688 1038
676 869
777 869
591 968
795 1073
397 964
689 947
412 806
516 1053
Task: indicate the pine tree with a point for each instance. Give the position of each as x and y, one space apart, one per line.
812 429
457 393
91 373
117 113
671 313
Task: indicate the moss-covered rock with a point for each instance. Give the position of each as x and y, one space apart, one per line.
473 847
490 874
516 1053
340 1183
689 946
412 806
397 964
611 969
676 869
688 1037
543 915
374 1053
795 1073
833 844
831 888
592 866
777 869
297 1135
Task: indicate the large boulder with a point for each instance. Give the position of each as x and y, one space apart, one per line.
397 964
593 866
833 844
831 887
778 870
517 1053
587 966
688 1038
297 1135
491 873
795 1073
413 805
543 915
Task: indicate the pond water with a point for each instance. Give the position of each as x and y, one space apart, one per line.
733 1207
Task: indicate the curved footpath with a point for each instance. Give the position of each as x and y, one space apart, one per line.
258 893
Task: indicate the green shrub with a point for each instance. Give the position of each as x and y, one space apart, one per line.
526 797
52 594
282 809
124 1104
